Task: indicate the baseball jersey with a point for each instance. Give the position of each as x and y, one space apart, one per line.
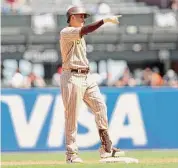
73 49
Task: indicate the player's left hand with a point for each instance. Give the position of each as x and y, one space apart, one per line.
112 19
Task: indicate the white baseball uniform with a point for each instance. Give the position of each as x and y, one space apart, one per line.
78 87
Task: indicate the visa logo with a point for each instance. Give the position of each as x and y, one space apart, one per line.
27 131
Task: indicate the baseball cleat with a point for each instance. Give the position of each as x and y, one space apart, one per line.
115 152
74 159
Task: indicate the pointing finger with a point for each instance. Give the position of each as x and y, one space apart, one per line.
119 16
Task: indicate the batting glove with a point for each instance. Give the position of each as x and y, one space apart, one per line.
113 19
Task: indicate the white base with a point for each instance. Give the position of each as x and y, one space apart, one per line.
118 159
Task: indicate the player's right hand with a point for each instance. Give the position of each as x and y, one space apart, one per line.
112 19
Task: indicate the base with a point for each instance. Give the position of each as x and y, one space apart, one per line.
118 159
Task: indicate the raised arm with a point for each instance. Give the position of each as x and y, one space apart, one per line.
94 26
91 27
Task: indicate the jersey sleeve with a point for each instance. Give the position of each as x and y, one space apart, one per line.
71 33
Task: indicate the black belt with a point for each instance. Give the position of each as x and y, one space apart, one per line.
84 71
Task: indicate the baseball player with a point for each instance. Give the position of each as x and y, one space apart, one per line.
77 84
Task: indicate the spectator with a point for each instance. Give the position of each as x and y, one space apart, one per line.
147 76
126 79
16 6
56 77
7 6
156 80
33 80
174 4
173 83
17 80
170 78
11 3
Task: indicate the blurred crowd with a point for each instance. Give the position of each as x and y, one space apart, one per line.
101 7
15 6
19 80
140 77
147 77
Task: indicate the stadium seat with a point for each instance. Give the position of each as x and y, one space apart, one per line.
137 19
132 46
145 29
13 39
16 20
45 38
134 38
10 31
164 37
105 38
160 45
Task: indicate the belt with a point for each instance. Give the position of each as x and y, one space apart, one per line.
84 71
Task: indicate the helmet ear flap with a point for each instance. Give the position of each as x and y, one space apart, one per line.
68 18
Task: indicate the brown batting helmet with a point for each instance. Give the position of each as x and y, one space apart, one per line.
76 10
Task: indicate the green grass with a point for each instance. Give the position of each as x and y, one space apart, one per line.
147 159
113 165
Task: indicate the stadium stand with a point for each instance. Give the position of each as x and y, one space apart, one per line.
145 33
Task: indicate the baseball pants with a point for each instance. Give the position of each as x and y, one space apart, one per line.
75 89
